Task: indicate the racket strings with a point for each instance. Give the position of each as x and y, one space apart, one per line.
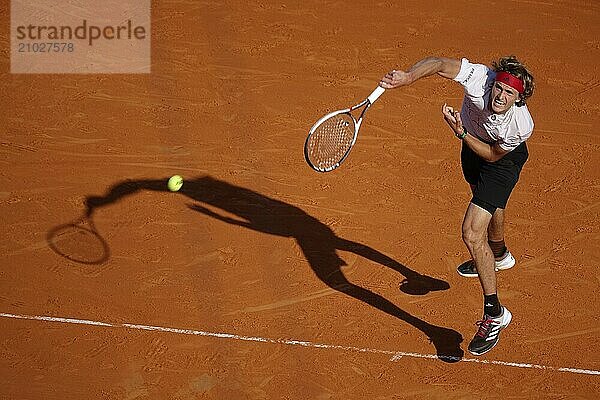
331 141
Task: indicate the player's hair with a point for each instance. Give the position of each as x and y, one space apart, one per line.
514 67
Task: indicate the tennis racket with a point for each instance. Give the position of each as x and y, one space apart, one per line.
331 138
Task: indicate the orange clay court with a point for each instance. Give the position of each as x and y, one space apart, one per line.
262 279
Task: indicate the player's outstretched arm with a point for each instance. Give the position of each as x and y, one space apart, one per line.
445 67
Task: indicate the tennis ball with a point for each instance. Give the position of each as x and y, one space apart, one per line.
175 183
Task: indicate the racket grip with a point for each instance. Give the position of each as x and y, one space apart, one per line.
375 95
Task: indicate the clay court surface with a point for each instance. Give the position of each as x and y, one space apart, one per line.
274 281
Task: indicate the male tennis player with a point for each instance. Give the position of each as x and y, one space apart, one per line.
493 125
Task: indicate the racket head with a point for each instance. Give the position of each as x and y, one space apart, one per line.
330 140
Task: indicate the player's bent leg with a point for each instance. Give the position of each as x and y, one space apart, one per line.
496 226
503 258
495 183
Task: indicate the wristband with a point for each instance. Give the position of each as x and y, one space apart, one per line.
462 135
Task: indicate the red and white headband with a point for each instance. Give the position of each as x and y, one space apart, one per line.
511 81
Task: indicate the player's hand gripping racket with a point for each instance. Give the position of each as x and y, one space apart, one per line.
331 138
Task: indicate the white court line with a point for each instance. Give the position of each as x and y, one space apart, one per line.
396 355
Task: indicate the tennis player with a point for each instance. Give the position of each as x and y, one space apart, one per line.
493 125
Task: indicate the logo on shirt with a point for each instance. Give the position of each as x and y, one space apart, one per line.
469 76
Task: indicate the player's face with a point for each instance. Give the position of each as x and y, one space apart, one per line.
503 97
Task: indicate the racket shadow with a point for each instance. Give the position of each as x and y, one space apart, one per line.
318 242
79 241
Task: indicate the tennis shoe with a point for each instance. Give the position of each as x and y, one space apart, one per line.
468 267
488 334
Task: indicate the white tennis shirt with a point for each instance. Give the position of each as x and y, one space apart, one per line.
509 129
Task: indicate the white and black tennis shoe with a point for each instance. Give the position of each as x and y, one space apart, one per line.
468 269
488 334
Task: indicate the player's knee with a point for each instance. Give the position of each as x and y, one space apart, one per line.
471 237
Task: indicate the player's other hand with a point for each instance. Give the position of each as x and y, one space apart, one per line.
452 117
394 79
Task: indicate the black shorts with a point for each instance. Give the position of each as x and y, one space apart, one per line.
495 181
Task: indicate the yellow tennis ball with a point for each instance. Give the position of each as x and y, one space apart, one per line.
175 183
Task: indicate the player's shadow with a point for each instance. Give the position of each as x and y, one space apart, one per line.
318 242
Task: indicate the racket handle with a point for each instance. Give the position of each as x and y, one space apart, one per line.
375 95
